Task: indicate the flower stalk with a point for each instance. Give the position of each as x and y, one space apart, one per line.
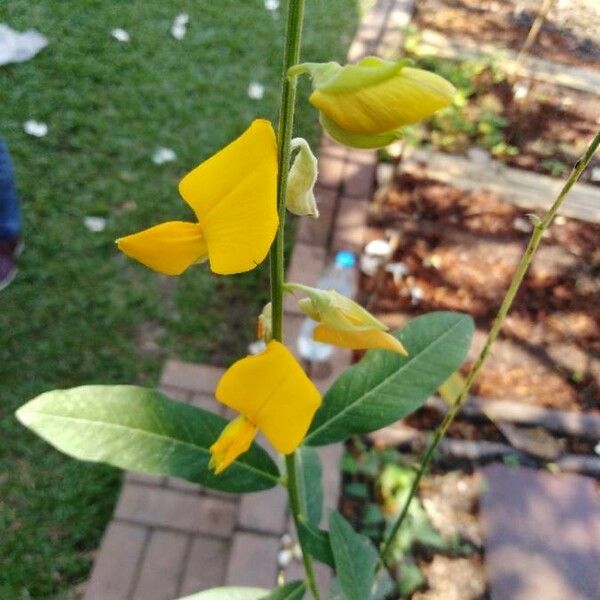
540 226
285 128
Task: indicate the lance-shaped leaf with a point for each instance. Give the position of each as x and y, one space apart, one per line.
310 472
384 386
355 558
294 590
140 429
229 593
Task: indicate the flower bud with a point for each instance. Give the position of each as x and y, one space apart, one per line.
264 327
364 105
343 322
300 198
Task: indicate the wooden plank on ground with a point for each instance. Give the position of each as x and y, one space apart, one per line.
522 188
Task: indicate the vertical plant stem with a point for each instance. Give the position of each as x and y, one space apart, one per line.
540 227
285 127
293 37
296 508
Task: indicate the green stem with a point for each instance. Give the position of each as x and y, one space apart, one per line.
296 507
285 127
540 227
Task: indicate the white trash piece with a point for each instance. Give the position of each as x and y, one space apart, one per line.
18 47
271 4
179 27
120 35
95 224
375 254
163 155
256 90
35 128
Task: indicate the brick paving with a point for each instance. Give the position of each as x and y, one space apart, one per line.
543 535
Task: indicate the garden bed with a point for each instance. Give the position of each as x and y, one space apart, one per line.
460 250
523 121
566 36
544 131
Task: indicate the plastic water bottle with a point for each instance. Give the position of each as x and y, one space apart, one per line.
341 277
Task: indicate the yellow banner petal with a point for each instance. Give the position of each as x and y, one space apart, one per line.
272 391
358 340
234 196
168 248
402 99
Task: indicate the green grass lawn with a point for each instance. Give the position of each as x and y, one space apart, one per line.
79 312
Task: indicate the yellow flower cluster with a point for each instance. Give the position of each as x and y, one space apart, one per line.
233 195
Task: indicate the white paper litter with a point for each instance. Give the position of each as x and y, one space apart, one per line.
35 128
520 91
163 155
18 47
256 90
120 35
416 295
95 224
595 174
271 4
179 27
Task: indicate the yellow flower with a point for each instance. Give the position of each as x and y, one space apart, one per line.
234 197
343 322
273 395
365 105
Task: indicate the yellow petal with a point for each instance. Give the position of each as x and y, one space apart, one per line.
234 196
234 440
373 338
272 391
401 99
168 248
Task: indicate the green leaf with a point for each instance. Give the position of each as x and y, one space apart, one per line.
384 386
309 480
229 593
358 489
294 590
410 578
355 558
142 430
316 541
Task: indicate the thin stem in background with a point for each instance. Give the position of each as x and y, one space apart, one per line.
293 37
532 35
540 226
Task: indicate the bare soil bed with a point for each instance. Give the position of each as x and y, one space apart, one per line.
460 251
567 37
